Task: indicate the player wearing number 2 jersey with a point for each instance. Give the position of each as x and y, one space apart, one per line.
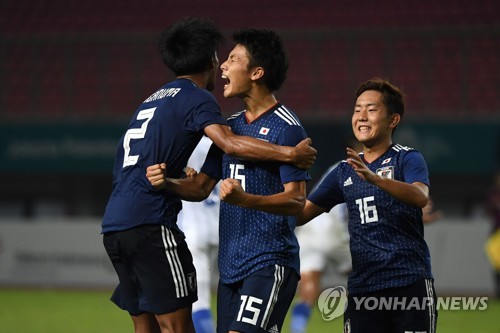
149 253
385 188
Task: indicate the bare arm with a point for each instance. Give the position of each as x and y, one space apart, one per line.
430 215
193 188
289 202
245 147
309 212
415 194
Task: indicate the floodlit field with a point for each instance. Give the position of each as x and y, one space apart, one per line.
49 311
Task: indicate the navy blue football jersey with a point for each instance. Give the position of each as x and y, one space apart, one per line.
386 235
251 239
166 127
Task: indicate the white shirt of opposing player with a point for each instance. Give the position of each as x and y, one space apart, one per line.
200 220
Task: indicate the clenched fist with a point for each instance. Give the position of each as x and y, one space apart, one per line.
231 191
156 175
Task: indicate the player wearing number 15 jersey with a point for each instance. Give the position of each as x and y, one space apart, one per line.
153 263
258 250
385 188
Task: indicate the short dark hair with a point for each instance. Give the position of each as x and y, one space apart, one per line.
393 98
266 50
189 45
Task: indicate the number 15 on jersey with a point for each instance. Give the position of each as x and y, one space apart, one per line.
236 173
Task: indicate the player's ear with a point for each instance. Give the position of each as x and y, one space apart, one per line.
257 73
395 119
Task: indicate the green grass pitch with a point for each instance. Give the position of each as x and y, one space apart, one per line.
51 311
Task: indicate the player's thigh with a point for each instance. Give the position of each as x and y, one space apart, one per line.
127 293
169 276
404 309
165 272
228 304
360 319
264 299
419 312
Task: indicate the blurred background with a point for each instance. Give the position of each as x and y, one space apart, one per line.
73 72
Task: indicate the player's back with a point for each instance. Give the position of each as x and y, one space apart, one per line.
165 128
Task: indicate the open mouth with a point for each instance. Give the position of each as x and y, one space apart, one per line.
364 128
224 77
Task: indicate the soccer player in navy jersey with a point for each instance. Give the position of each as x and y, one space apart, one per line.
258 250
157 279
385 188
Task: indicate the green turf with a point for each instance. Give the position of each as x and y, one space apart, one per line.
36 311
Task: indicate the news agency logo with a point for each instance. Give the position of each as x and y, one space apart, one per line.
332 303
420 303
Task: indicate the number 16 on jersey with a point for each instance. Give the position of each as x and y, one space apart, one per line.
367 210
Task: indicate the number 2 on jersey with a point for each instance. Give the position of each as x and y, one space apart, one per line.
135 134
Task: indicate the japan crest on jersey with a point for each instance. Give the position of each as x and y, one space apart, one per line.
386 172
264 130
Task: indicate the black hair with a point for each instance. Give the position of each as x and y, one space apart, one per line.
392 96
266 50
188 46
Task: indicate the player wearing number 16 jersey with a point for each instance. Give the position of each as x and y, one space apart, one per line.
154 266
385 188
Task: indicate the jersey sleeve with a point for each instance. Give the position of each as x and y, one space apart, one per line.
213 163
327 193
414 168
205 114
291 136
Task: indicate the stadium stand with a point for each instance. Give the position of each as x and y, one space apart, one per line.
93 62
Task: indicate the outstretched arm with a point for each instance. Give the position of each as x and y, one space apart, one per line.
193 188
309 212
430 215
302 155
289 202
415 194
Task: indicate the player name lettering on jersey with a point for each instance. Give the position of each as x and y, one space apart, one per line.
162 93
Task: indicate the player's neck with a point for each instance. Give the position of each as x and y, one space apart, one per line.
373 151
199 80
257 104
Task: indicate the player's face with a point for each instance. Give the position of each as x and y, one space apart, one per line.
236 72
212 76
371 124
